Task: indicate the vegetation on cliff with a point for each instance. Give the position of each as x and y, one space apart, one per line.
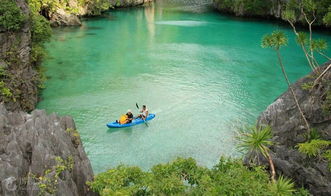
274 8
26 28
11 16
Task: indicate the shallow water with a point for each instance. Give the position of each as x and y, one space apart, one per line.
203 74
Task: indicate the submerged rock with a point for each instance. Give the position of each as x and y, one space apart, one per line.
289 130
30 147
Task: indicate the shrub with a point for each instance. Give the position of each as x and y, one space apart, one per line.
314 147
185 177
11 16
41 29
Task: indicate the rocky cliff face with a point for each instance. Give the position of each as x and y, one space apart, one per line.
16 47
289 130
271 8
31 146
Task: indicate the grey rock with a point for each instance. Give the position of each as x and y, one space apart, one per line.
29 144
289 130
61 18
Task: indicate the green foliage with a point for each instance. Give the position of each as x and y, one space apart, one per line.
292 11
313 135
75 137
256 140
327 17
41 30
95 7
185 177
282 187
289 15
302 38
38 53
327 156
4 90
319 45
314 147
307 85
245 7
275 40
11 16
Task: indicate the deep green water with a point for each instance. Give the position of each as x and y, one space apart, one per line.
203 74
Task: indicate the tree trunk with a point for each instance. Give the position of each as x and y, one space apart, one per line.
272 167
302 46
292 91
322 74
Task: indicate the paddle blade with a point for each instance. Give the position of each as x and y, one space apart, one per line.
137 105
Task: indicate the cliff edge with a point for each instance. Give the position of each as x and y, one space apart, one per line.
289 130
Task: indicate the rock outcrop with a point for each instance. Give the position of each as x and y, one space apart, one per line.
289 130
16 47
62 18
29 145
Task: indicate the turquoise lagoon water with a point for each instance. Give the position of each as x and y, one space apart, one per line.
202 74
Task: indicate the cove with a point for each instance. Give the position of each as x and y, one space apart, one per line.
202 74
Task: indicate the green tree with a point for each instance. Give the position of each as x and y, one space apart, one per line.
11 16
256 141
276 40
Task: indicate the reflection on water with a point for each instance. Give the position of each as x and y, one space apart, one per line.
150 16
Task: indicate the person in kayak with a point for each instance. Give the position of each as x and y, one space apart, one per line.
143 113
126 119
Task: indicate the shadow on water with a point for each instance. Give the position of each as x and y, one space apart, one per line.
104 16
90 28
127 130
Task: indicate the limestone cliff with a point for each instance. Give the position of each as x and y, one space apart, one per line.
289 130
30 147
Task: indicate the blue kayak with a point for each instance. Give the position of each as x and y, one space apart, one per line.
133 123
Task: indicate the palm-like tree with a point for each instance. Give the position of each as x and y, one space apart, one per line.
256 141
276 40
